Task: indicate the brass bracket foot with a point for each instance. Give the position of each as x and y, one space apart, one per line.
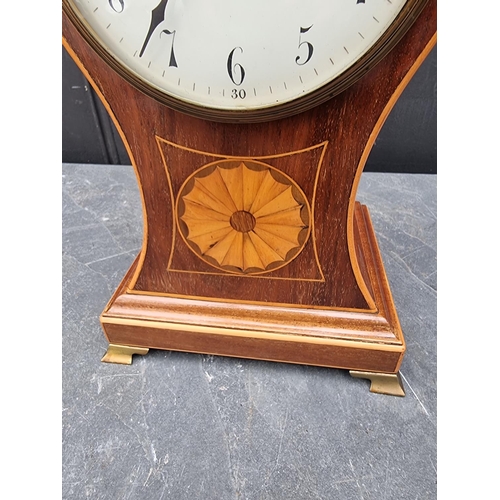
382 383
122 354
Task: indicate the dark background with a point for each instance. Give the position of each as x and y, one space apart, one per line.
407 142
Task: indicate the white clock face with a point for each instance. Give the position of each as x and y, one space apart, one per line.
237 54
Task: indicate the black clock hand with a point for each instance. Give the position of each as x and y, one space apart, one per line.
157 17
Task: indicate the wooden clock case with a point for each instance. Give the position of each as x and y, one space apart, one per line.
325 300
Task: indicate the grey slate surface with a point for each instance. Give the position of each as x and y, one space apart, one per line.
187 426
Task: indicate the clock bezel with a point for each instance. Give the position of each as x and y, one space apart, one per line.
309 100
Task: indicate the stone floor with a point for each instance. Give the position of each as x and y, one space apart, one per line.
186 426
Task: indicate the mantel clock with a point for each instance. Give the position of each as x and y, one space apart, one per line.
248 125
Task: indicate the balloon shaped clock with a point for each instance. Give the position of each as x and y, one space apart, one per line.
248 125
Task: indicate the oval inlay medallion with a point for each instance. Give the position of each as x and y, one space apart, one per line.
242 221
243 216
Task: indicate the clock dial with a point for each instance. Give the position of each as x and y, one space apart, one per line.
233 58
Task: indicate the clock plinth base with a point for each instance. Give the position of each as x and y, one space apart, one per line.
382 383
122 354
367 342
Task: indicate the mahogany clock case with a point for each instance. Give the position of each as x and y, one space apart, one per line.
323 297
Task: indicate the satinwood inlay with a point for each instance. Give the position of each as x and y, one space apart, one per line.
243 216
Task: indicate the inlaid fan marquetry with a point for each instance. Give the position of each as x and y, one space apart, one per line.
243 216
